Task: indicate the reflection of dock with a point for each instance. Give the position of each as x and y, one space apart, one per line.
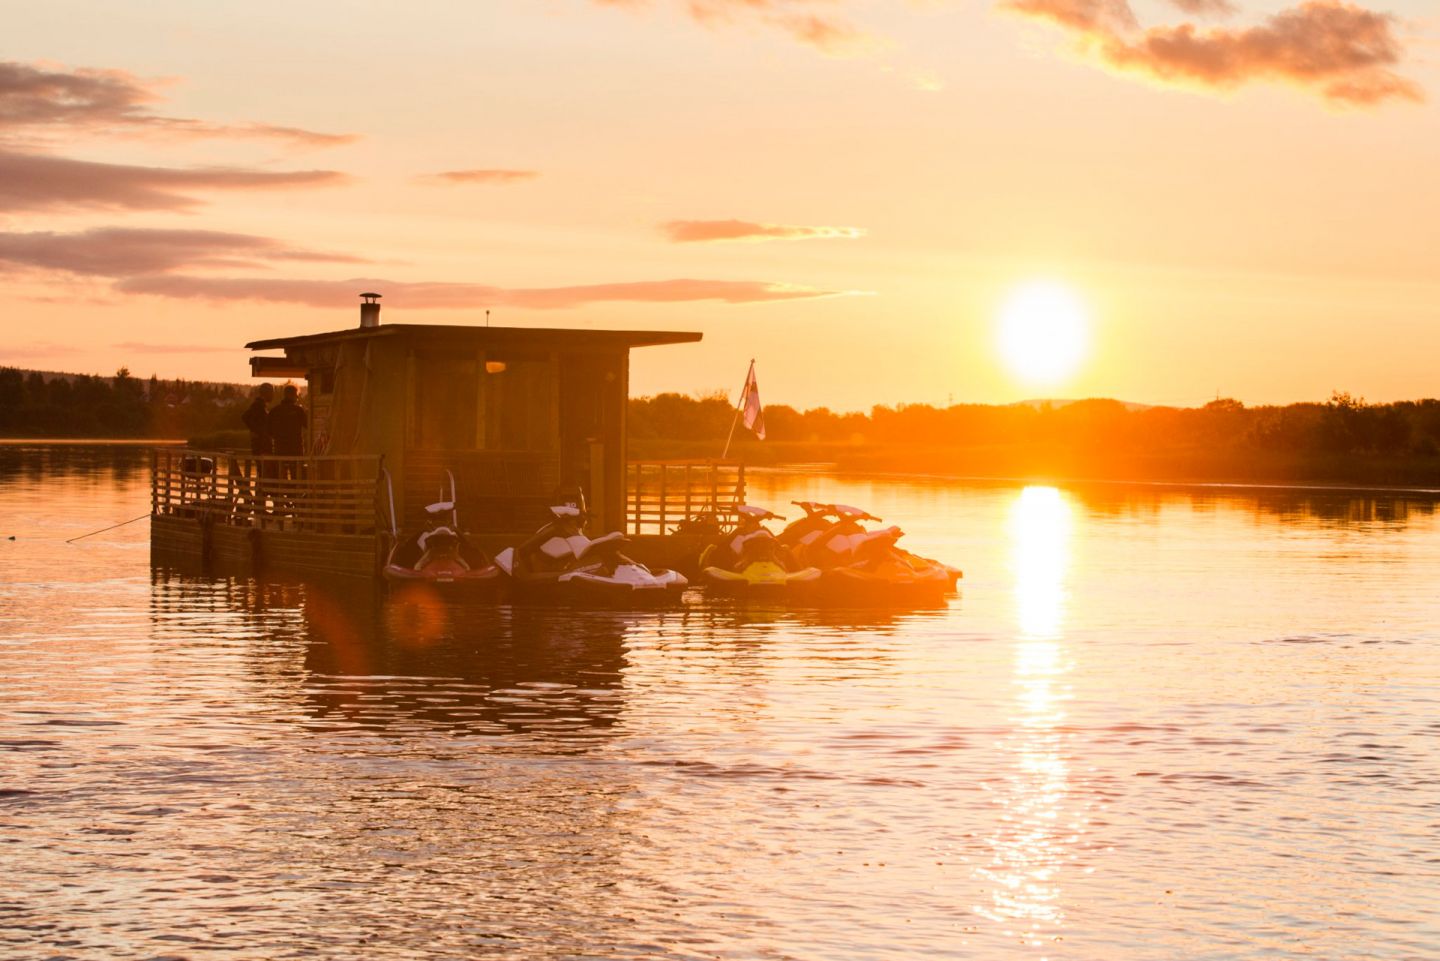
468 670
356 659
515 414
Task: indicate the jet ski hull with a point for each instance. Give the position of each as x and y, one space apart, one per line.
623 587
662 587
762 577
448 576
887 583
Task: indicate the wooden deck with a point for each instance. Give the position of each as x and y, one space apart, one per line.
330 514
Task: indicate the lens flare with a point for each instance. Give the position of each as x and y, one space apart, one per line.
416 616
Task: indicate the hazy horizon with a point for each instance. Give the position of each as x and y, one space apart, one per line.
250 384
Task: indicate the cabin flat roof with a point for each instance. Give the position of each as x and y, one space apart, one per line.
496 336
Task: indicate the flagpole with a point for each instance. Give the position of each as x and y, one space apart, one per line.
739 408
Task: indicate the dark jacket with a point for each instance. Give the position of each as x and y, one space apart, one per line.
287 428
257 419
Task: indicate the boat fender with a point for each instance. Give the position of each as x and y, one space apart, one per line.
207 537
257 551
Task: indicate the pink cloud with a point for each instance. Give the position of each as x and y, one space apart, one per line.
808 21
1089 17
495 176
704 231
420 296
33 97
1340 52
122 252
40 182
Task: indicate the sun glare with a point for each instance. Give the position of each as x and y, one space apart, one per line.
1042 332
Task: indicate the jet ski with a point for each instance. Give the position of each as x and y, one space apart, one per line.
560 559
854 558
750 558
802 532
440 554
876 568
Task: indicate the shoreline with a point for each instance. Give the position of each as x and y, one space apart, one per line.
837 470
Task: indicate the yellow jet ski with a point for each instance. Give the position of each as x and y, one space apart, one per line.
749 558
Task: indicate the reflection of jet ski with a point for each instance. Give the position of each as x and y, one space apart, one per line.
440 554
854 558
751 558
559 557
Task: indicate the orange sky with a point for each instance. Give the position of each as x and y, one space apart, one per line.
1242 194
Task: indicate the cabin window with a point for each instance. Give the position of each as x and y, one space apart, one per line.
519 405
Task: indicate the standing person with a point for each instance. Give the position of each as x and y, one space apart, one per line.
257 420
287 429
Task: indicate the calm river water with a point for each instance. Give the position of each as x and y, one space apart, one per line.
1153 724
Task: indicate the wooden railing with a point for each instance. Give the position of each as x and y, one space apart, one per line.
663 494
320 494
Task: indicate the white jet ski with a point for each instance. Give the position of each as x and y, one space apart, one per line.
559 558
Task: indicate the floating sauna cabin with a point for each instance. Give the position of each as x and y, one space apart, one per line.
520 417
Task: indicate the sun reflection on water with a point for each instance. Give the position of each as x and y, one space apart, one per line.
1040 523
1037 826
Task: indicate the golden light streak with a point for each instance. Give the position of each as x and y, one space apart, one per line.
1033 836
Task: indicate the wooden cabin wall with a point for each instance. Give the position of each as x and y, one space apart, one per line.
617 445
594 392
367 405
320 398
497 432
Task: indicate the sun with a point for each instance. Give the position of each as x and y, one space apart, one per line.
1042 332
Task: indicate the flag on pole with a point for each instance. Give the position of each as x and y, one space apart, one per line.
750 404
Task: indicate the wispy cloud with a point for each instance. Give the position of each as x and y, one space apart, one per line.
124 252
1206 8
812 22
1343 53
34 98
480 176
709 231
41 182
37 350
143 348
420 296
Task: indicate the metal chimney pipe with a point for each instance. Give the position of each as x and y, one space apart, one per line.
370 310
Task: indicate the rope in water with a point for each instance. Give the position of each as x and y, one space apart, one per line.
110 528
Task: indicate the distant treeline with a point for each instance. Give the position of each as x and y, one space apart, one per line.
33 404
1343 440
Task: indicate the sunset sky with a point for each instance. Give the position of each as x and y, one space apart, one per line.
1243 197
